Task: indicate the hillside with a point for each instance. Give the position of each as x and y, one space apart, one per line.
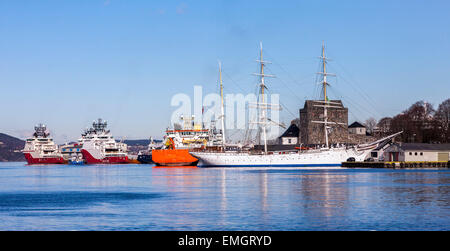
10 148
134 146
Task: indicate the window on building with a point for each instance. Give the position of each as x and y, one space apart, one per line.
410 153
421 154
289 141
415 153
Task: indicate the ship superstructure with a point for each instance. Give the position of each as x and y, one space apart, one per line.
41 149
100 147
71 151
179 141
193 135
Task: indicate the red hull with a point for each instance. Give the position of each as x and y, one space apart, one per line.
108 160
37 161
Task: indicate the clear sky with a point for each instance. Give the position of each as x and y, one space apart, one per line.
65 63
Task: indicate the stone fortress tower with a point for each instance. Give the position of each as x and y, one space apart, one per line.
312 133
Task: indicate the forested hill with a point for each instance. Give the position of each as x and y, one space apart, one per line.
10 148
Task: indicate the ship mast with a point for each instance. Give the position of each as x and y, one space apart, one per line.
326 102
325 111
263 121
222 116
263 86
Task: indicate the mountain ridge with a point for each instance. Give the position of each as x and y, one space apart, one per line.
11 148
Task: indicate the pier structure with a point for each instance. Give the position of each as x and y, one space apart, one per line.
397 164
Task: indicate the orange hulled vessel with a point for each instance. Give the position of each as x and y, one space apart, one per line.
192 137
178 143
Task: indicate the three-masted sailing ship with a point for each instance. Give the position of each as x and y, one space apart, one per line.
325 156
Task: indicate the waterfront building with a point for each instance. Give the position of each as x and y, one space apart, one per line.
378 153
417 152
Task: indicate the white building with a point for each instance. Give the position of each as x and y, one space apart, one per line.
417 152
290 136
357 128
378 153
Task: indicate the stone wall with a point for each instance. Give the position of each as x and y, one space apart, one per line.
360 139
313 133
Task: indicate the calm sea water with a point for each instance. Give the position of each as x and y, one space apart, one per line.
140 197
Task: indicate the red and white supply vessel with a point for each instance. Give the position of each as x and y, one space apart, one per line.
40 149
99 146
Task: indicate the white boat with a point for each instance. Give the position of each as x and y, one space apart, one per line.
192 135
323 157
41 149
100 147
76 159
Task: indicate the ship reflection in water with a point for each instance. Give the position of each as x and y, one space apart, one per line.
141 197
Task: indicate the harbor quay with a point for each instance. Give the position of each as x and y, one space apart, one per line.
397 164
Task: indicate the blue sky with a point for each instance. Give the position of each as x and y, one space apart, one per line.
66 63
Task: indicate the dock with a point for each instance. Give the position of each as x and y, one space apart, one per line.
398 164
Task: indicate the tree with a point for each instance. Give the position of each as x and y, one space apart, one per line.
370 124
417 123
384 126
442 117
296 122
399 123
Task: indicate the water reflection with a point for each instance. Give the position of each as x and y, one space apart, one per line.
176 178
418 189
326 194
142 197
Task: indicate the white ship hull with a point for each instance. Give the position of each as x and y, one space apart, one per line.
40 149
94 153
312 158
99 146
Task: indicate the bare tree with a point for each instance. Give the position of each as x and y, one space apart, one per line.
370 124
296 122
384 126
442 117
417 123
